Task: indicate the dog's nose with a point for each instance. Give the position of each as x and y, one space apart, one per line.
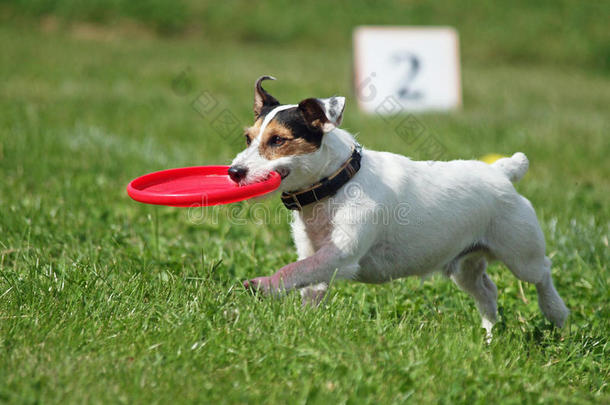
237 173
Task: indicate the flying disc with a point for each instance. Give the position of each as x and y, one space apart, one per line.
196 186
491 157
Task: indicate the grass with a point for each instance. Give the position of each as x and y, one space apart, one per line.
104 300
566 32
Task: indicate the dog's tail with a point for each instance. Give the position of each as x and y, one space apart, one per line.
513 167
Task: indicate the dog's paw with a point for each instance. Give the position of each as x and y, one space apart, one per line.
259 285
313 296
271 285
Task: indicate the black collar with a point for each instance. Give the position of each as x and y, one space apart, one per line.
326 187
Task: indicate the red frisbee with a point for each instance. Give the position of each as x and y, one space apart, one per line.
196 186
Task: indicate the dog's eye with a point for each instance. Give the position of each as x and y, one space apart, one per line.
248 140
276 140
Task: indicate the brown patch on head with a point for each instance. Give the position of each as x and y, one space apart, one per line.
287 134
279 140
252 132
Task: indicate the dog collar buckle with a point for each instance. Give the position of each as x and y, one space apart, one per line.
294 204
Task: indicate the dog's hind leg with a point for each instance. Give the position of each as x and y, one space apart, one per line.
549 301
537 270
518 241
469 274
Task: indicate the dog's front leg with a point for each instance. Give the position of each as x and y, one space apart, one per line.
316 269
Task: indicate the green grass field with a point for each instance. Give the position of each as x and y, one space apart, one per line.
104 300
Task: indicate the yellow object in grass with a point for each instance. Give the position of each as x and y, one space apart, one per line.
491 157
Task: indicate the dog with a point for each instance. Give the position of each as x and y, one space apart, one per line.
374 216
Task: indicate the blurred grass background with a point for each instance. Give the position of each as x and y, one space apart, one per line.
106 300
566 32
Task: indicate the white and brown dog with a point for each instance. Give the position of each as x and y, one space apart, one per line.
377 216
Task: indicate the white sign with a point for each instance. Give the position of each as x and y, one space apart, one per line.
407 69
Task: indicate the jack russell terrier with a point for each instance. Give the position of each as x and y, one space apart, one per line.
375 216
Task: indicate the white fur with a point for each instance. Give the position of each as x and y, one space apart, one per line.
398 217
333 109
269 117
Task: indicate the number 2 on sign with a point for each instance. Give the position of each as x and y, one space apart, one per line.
412 67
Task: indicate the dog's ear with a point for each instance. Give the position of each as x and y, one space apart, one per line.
261 97
323 113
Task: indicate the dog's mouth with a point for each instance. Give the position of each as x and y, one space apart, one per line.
283 172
